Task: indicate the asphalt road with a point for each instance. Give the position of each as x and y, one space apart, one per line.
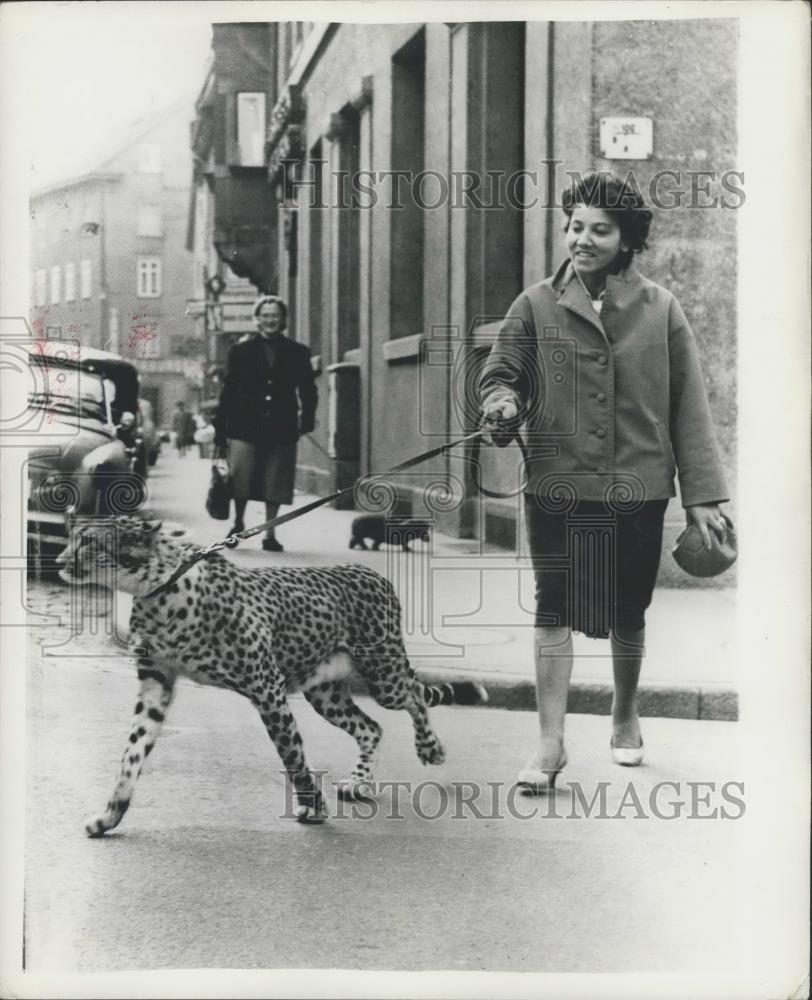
207 871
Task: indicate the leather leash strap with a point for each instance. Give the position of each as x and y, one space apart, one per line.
503 437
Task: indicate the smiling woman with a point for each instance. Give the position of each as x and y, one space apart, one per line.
623 410
601 240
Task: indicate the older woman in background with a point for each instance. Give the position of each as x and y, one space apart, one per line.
268 400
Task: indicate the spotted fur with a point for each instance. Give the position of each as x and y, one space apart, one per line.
264 633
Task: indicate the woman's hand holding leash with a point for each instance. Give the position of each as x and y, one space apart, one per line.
499 418
707 517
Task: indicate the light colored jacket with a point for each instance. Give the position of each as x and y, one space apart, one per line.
612 402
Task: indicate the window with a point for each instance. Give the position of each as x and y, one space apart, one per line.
149 220
56 288
251 129
149 159
149 277
41 288
70 282
86 278
408 154
315 216
349 239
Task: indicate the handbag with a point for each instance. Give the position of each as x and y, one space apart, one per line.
218 499
691 555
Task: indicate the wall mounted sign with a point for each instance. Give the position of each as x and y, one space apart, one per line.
626 138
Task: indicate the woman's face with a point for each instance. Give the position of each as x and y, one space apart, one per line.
593 240
269 318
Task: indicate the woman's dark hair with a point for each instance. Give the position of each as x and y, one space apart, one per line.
617 198
265 300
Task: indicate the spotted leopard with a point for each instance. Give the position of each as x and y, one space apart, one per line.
264 633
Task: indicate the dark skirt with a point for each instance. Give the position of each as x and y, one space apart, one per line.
595 565
258 473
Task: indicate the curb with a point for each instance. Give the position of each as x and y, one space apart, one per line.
654 700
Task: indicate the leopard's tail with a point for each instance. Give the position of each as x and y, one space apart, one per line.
453 693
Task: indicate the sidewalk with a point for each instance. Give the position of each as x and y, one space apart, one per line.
468 608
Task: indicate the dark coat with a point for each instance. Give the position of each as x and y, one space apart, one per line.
262 405
183 424
611 400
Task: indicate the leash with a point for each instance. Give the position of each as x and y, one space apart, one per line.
501 437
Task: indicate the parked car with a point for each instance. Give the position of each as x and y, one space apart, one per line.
149 432
81 403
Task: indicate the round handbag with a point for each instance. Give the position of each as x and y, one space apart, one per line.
691 555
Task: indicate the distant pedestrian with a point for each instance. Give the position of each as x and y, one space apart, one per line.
268 400
183 424
602 366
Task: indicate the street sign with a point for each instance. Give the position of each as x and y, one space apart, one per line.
237 317
230 316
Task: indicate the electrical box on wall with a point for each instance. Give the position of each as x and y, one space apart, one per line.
627 138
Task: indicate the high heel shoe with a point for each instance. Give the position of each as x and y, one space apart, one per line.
627 756
533 780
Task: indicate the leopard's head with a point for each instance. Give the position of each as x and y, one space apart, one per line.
112 551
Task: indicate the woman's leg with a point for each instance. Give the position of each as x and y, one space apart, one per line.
271 510
239 512
628 648
640 536
553 654
278 478
241 458
547 538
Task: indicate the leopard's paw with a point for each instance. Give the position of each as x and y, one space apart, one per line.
99 825
310 814
109 819
354 788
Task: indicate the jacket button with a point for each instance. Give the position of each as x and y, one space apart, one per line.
558 377
267 399
601 398
601 433
601 359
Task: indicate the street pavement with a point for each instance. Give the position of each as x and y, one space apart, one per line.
207 871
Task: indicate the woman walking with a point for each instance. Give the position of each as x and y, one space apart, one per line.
268 400
602 367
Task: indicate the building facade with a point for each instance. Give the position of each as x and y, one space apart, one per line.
110 265
409 187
